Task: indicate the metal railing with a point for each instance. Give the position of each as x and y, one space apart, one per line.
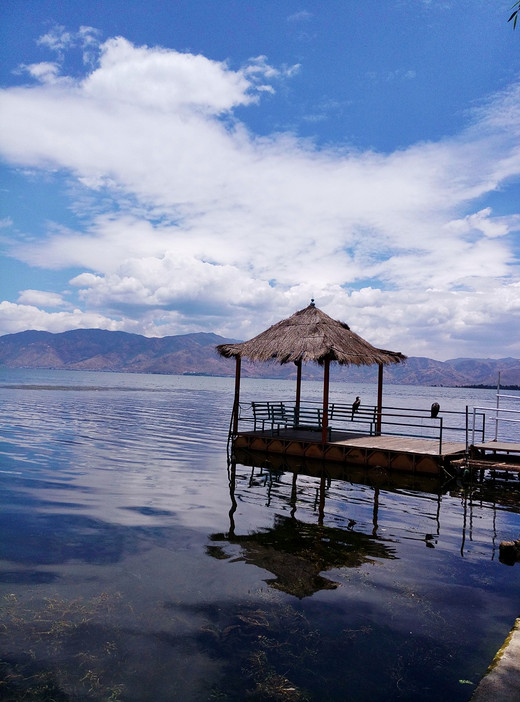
498 417
499 414
394 421
417 422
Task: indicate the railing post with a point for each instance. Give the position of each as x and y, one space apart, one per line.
440 434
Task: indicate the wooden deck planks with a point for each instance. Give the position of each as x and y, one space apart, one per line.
405 444
499 446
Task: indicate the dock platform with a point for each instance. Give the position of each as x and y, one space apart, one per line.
399 453
495 456
506 450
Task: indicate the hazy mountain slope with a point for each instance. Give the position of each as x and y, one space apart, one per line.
101 350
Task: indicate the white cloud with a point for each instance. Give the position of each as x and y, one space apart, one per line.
302 16
391 76
40 298
15 318
166 80
197 221
56 39
45 72
483 222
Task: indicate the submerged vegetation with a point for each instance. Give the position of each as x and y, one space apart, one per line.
55 650
267 650
59 650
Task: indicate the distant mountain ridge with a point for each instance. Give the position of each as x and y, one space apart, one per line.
102 350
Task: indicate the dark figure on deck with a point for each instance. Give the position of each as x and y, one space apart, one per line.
435 409
355 407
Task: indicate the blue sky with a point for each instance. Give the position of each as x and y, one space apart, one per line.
179 166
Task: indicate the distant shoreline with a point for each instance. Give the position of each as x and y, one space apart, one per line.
482 386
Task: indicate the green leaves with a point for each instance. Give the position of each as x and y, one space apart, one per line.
515 14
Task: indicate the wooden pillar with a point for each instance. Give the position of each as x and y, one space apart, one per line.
379 399
325 418
298 365
237 395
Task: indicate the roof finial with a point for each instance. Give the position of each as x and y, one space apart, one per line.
312 302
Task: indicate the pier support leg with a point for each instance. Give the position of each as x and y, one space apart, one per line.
236 402
298 365
325 418
379 399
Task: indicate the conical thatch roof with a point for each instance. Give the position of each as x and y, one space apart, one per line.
310 335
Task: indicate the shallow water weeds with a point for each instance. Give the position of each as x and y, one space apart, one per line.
59 632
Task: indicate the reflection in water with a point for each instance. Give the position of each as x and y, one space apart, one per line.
297 552
111 587
495 494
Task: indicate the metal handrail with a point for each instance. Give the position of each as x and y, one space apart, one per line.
498 410
438 424
499 396
414 420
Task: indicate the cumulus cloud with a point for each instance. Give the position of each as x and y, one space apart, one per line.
18 317
483 222
41 298
193 220
166 80
45 72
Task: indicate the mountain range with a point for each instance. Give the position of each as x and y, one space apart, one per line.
101 350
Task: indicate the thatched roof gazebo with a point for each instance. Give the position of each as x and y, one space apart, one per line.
310 335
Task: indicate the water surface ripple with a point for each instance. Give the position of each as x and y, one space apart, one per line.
137 565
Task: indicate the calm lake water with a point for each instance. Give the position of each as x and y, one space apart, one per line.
137 565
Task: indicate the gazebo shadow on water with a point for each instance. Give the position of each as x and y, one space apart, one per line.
297 552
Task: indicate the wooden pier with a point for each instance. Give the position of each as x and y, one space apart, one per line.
496 456
399 453
503 451
324 432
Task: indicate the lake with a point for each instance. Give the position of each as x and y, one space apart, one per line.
137 564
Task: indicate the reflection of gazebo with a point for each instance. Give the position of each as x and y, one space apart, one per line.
297 552
310 335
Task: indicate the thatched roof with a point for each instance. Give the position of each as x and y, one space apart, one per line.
310 335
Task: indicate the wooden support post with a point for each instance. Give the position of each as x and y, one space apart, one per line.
379 399
236 402
325 418
298 365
